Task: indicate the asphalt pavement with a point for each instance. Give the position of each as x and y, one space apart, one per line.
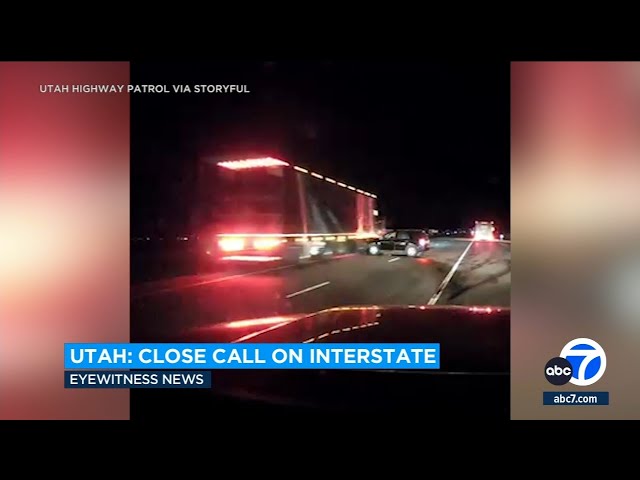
452 272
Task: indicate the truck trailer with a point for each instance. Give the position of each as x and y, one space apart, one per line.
267 209
484 231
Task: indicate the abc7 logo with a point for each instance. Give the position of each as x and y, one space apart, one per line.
558 371
581 362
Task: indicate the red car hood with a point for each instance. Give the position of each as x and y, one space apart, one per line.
478 336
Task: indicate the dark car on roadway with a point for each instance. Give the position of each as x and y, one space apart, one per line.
410 242
472 381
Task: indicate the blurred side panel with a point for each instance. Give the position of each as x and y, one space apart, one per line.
64 234
576 229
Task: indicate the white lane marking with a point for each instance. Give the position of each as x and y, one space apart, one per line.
436 296
394 259
320 285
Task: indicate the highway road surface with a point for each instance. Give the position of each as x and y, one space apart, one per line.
452 272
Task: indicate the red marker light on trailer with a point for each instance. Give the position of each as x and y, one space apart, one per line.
251 258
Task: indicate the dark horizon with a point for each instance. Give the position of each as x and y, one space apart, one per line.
430 140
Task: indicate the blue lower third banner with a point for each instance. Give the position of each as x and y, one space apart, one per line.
137 379
575 398
163 356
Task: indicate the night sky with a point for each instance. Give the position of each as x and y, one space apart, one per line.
431 140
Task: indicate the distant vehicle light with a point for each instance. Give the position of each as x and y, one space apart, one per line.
422 242
231 244
373 249
253 163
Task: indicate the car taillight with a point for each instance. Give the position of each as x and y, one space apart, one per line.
422 242
266 243
231 244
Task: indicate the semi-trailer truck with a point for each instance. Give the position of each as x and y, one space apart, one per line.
267 209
